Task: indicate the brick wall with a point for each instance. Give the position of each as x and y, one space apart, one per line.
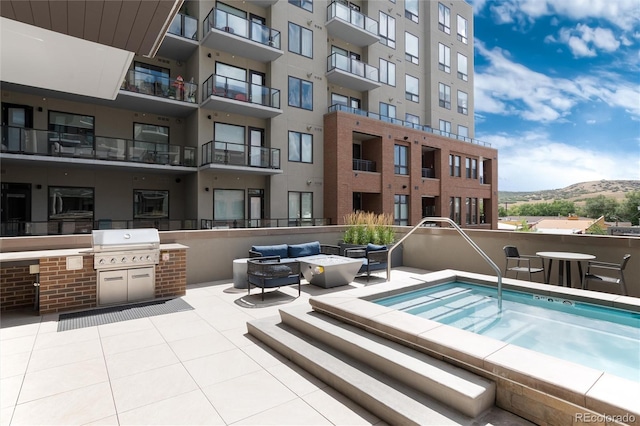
62 290
16 287
171 274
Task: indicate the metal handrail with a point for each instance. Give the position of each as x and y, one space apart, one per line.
465 236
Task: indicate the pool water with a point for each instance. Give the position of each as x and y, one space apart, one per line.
599 337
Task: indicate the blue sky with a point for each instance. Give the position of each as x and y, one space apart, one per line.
557 90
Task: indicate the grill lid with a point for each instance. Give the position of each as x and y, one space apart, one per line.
125 239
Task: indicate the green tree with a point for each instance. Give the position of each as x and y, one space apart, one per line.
601 206
628 209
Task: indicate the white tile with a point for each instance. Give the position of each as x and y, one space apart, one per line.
294 413
175 318
9 391
124 342
17 345
49 340
151 386
62 355
136 361
123 327
191 408
106 421
295 378
239 336
183 330
9 331
68 377
220 367
339 409
13 365
5 416
199 346
247 395
78 406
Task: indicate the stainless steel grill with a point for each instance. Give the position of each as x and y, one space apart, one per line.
125 261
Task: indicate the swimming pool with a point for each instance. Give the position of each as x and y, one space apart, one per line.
603 338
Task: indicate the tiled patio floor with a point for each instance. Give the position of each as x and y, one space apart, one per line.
186 368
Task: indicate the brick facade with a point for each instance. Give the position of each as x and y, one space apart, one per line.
16 287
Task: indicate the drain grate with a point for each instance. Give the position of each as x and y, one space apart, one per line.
113 314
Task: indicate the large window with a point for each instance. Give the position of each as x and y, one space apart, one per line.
444 58
410 118
462 67
454 165
305 4
454 209
444 126
300 40
401 210
444 18
71 203
300 147
150 204
387 72
401 159
387 110
151 133
300 93
387 30
411 49
228 204
471 208
70 131
412 88
444 96
462 29
151 79
463 103
300 206
471 165
411 9
235 81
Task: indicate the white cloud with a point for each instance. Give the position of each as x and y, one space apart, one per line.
531 161
584 40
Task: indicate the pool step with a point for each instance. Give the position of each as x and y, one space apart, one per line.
396 383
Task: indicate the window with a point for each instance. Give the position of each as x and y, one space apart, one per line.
444 96
463 103
463 131
150 204
462 29
471 168
444 58
412 88
387 72
444 18
71 131
445 126
229 140
300 40
454 213
411 10
411 48
387 110
71 203
387 30
471 208
467 164
228 205
300 147
151 133
151 79
462 67
355 103
300 93
337 99
233 79
401 159
305 4
411 118
454 165
401 210
300 206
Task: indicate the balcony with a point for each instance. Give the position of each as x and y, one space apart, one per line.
350 25
364 165
232 34
351 73
238 157
181 39
142 91
19 144
240 97
263 3
397 121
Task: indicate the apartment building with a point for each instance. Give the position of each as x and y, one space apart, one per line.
259 113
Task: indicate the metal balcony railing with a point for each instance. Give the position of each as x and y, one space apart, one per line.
424 128
184 26
163 87
217 85
352 66
364 165
428 173
345 13
236 25
80 226
263 223
17 140
215 152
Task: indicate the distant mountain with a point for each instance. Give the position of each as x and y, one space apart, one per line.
578 192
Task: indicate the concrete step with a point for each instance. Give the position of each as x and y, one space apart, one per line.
385 397
459 389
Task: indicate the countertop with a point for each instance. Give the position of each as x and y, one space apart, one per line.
40 254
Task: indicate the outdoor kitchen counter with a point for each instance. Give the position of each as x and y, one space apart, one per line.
43 254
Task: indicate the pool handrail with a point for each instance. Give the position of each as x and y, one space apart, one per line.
464 235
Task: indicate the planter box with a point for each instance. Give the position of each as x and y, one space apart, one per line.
396 256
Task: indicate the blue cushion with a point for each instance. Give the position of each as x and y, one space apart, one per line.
374 247
272 250
306 249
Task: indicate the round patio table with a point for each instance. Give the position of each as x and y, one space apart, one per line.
565 258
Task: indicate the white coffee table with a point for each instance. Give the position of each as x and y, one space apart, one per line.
329 270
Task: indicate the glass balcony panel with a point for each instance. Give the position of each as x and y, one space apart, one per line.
190 27
218 85
237 25
176 25
354 17
219 152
